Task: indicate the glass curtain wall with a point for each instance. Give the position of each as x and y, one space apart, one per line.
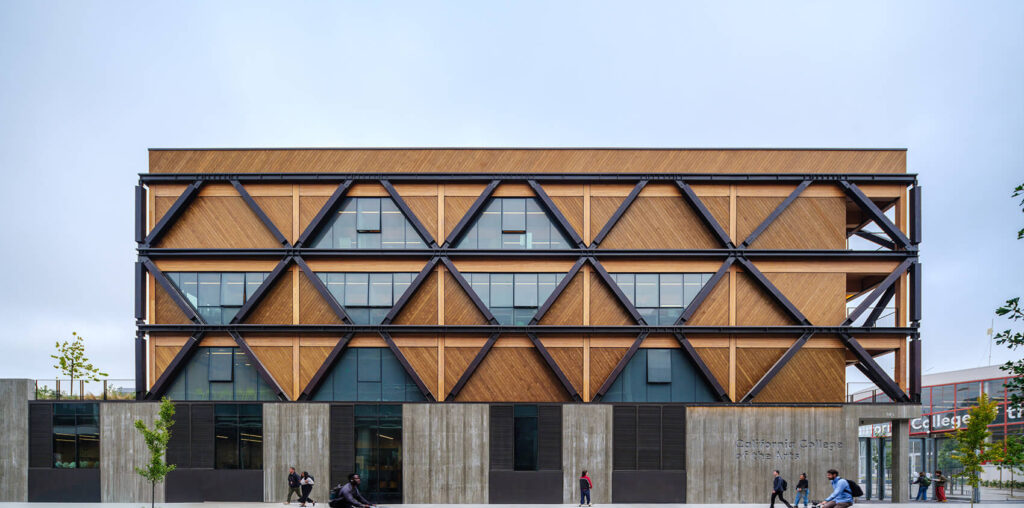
379 452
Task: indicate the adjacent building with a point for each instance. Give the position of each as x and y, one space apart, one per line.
458 324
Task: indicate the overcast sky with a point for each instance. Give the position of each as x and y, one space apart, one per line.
87 87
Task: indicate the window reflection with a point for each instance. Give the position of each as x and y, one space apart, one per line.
76 435
367 297
216 296
513 223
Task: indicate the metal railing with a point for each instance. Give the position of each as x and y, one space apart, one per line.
80 389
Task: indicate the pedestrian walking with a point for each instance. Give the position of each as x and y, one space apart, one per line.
306 482
585 486
778 487
348 495
940 487
842 496
293 486
802 489
922 483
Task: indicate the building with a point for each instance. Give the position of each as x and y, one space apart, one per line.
457 324
946 398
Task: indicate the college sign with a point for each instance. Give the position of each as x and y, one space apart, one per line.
943 422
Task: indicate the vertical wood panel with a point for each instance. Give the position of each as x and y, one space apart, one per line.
309 206
602 362
276 306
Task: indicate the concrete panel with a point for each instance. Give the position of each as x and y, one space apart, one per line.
14 397
731 451
295 435
122 449
445 454
901 461
587 444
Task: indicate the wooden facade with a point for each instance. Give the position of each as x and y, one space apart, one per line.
822 218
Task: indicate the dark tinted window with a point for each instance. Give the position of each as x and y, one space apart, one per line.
378 452
367 297
659 375
76 435
661 297
368 375
238 430
216 296
219 373
525 428
513 298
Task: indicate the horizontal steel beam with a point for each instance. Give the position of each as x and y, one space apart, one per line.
513 176
310 253
538 329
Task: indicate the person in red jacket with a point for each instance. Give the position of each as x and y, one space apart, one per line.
585 486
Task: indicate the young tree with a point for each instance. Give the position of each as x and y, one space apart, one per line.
1013 339
156 440
1012 458
71 361
972 449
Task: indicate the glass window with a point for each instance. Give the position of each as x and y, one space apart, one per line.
967 394
942 398
369 223
239 436
996 389
659 366
661 297
513 223
525 290
367 297
217 296
525 435
368 215
501 290
368 375
378 432
220 373
76 435
513 298
481 284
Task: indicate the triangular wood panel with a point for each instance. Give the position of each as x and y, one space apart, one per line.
513 374
163 202
166 311
602 362
425 209
757 307
424 361
719 208
279 210
601 210
751 366
309 206
456 361
458 306
278 362
162 357
276 305
312 307
804 290
310 360
572 209
570 360
218 222
605 308
676 225
717 360
714 310
455 207
421 309
807 223
792 384
568 308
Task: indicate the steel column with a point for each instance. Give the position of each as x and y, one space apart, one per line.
140 366
915 214
915 370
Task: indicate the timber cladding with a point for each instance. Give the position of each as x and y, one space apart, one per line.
627 226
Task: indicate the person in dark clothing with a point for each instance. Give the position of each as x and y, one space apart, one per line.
348 496
802 490
585 486
922 482
293 486
306 482
777 490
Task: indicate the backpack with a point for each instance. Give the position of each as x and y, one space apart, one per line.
854 489
925 482
785 484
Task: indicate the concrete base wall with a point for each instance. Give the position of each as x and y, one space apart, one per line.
14 397
122 449
445 453
732 451
295 435
587 444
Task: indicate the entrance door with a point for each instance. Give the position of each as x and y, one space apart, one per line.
378 443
